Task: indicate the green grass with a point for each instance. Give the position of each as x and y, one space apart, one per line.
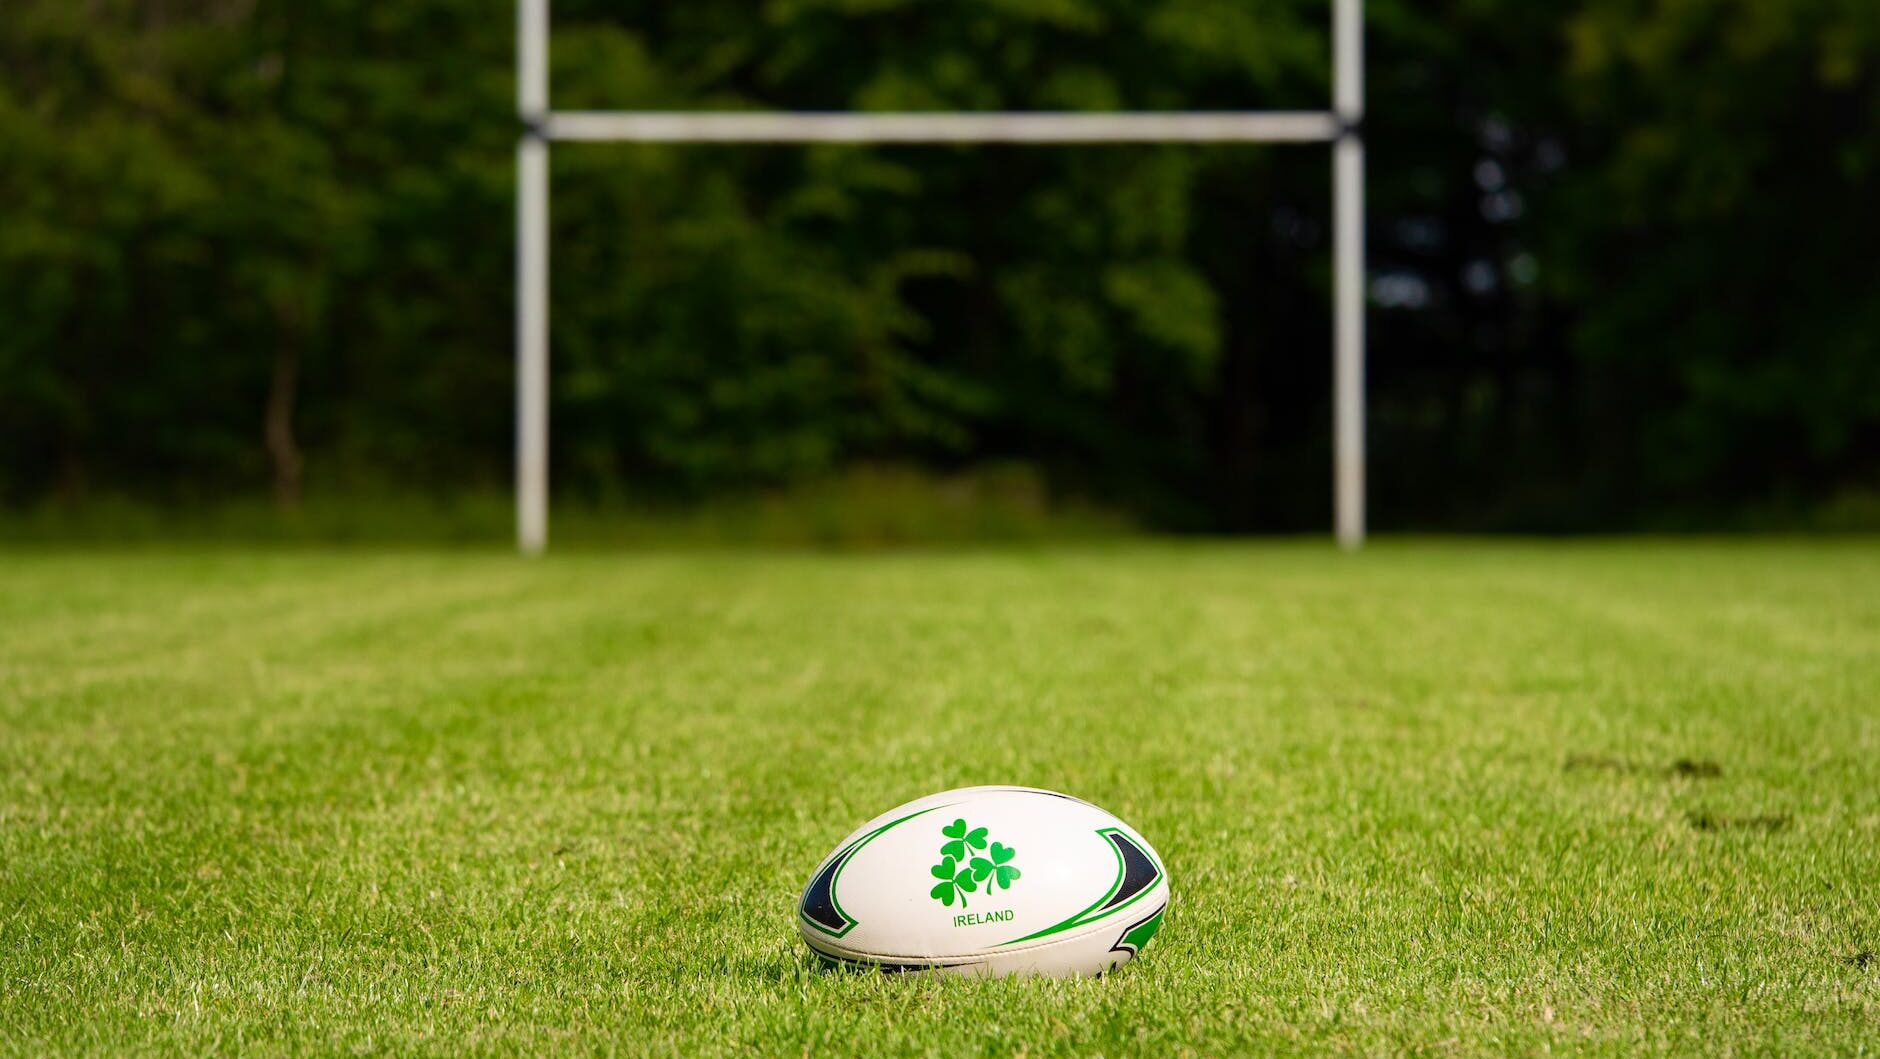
1462 797
860 506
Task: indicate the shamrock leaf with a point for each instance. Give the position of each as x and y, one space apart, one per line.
957 887
944 869
981 867
956 848
1003 872
977 839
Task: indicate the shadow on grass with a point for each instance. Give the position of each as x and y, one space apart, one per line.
1765 823
1682 768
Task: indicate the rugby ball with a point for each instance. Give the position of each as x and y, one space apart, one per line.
987 880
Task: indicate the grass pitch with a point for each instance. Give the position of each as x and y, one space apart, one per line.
1476 798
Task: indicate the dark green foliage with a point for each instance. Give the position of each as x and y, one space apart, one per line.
1622 253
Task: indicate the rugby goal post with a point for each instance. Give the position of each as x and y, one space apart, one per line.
1340 126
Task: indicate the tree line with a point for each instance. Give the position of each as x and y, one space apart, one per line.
1622 255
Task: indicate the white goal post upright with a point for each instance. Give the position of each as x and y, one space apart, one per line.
541 125
532 278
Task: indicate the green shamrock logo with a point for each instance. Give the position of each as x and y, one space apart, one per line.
961 869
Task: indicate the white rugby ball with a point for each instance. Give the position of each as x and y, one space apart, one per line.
987 880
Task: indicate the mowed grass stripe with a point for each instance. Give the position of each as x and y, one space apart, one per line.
1466 797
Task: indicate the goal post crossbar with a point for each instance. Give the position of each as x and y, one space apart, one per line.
542 125
1022 127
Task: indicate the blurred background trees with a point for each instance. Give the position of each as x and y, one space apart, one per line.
1624 265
